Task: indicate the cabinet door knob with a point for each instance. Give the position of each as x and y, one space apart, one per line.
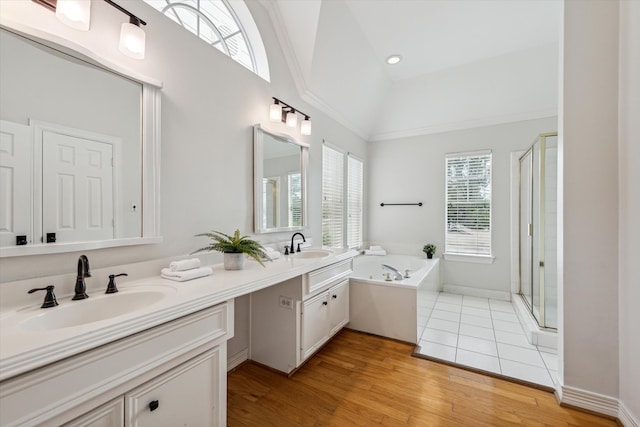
324 303
153 405
334 296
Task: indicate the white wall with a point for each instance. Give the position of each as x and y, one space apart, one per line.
629 231
588 141
209 104
412 170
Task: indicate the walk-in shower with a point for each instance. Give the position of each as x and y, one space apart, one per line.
538 229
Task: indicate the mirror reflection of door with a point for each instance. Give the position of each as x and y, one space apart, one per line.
15 182
270 190
77 188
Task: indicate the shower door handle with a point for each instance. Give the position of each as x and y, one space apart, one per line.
541 263
530 229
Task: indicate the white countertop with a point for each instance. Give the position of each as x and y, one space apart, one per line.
23 349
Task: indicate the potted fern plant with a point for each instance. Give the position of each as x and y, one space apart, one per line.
234 248
429 249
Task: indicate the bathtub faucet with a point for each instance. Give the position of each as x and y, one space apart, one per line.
396 274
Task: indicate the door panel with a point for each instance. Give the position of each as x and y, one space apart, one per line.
77 188
15 182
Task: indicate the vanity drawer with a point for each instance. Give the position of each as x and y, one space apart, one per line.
322 278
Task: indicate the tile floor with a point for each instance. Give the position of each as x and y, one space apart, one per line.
485 334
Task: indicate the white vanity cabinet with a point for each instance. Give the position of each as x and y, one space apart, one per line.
178 369
322 316
291 320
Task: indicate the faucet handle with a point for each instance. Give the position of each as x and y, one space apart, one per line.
49 298
298 248
286 249
111 287
406 274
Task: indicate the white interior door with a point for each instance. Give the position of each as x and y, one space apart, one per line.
15 182
77 188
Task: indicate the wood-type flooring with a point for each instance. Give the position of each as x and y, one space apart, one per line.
364 380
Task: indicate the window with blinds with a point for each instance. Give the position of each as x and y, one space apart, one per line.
468 197
332 197
354 202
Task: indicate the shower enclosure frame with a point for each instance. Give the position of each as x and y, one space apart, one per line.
540 317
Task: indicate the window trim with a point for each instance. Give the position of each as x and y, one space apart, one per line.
347 204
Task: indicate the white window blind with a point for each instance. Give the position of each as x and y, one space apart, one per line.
354 202
468 196
332 197
294 184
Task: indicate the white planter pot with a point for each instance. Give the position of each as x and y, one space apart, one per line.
233 261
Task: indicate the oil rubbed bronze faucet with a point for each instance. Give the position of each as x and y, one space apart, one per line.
83 271
293 237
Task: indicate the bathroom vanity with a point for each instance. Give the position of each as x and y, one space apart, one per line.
157 350
293 319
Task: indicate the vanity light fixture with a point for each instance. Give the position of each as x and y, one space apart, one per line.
77 14
280 111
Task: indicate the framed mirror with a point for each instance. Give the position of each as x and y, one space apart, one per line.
78 151
280 177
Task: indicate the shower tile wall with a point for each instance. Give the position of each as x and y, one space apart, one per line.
485 334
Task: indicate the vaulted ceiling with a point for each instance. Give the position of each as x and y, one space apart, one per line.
465 63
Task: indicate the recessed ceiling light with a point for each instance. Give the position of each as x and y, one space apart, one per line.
394 59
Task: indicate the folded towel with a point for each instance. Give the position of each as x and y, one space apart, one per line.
375 248
182 276
272 254
185 264
375 252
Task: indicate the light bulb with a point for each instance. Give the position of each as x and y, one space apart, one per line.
74 13
275 112
132 40
292 119
305 127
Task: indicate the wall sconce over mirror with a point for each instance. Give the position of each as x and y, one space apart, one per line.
77 14
280 111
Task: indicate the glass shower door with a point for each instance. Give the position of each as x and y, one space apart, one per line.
537 233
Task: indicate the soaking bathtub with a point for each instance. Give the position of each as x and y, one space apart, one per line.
397 309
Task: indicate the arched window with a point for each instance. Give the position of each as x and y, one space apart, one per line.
226 25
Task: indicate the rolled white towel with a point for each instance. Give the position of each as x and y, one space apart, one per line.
380 252
185 264
183 276
272 254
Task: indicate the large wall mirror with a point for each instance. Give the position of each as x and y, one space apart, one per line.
78 152
280 168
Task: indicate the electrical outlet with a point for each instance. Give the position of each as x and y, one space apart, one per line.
286 302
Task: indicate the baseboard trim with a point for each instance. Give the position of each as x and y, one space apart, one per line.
476 292
626 417
237 359
589 401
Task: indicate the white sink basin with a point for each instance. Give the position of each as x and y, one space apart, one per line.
313 253
95 308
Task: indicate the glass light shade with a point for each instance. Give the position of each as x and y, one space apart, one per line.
132 40
74 13
275 112
292 119
305 127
